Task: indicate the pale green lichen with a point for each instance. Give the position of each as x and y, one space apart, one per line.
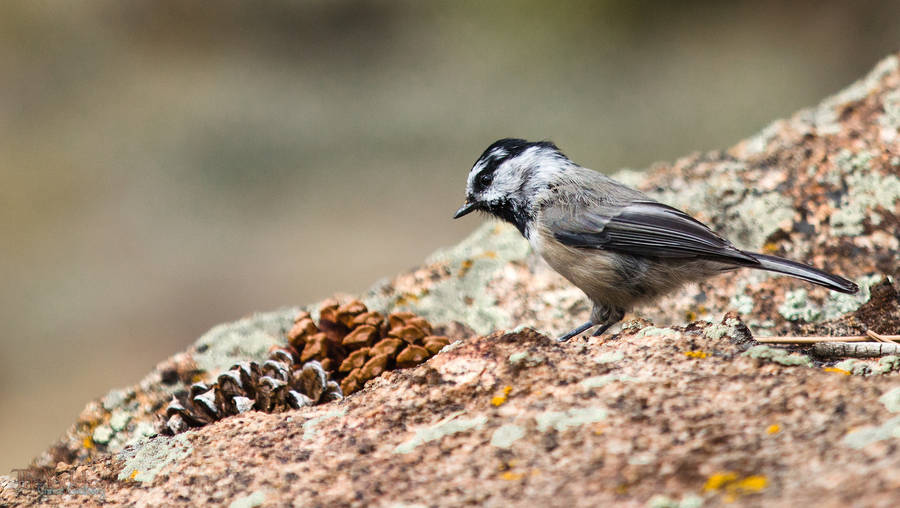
732 327
506 435
561 420
890 119
838 304
563 303
116 399
641 459
610 357
747 217
118 420
797 306
855 367
310 429
630 177
653 331
861 437
759 216
451 425
715 331
601 381
825 116
891 400
249 501
453 345
247 339
146 460
758 143
102 434
142 431
779 356
886 364
688 501
866 189
742 303
463 296
525 357
523 328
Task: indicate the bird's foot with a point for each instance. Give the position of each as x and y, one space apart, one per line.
577 331
602 328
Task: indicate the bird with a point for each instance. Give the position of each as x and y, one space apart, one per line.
615 243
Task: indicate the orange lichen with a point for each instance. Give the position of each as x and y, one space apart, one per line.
732 486
754 483
696 354
719 480
500 399
511 476
407 299
837 370
773 429
770 248
464 267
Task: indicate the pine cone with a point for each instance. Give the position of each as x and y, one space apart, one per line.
320 363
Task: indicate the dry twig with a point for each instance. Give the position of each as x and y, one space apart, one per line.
855 349
820 339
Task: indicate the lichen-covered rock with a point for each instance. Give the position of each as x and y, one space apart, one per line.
688 412
821 187
680 413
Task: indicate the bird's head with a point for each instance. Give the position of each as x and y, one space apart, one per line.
508 176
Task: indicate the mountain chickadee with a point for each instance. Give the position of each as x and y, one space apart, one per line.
616 244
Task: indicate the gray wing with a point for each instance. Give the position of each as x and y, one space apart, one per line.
643 228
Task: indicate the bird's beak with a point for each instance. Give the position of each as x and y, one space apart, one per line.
464 209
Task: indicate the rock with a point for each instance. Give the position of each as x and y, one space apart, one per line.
685 410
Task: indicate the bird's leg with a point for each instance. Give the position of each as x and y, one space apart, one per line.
602 328
576 331
611 317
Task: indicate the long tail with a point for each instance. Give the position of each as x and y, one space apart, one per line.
805 272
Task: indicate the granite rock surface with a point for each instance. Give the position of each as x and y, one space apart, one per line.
679 406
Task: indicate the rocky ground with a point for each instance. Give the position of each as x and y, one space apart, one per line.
680 406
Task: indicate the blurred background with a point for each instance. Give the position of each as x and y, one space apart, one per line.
167 166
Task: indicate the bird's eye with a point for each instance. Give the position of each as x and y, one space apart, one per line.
485 179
